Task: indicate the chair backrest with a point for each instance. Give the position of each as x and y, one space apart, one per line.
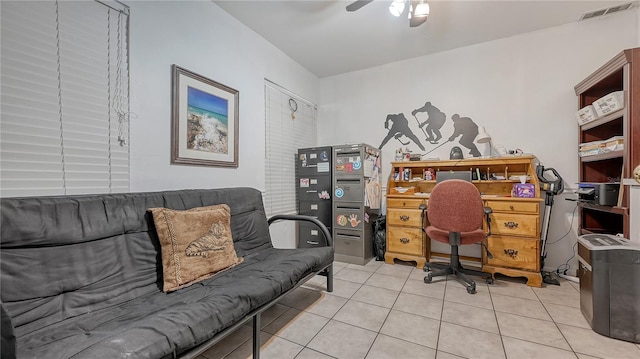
456 206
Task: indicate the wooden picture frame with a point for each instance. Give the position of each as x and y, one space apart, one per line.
204 128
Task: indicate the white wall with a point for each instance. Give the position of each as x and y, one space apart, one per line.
520 88
201 37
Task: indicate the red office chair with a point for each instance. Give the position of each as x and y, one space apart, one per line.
455 215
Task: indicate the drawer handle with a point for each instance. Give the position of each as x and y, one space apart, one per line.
404 218
511 207
313 242
511 252
404 240
511 224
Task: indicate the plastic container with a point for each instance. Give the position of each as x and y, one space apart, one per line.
586 115
609 103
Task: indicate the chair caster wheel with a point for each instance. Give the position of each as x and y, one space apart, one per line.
428 278
489 280
471 289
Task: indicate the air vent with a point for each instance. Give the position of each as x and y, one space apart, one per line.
610 10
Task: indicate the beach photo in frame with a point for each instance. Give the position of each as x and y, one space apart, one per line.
204 121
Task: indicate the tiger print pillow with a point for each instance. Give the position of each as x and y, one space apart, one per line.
195 244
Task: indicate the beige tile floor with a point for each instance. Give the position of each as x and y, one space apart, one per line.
387 311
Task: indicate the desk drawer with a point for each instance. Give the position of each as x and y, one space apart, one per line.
404 217
405 202
512 207
405 240
514 252
515 224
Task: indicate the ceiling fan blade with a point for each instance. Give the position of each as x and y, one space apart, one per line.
417 21
357 5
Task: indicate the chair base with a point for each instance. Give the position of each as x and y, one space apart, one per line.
456 269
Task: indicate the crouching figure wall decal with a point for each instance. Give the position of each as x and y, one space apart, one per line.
399 127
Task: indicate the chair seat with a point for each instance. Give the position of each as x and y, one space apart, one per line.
466 237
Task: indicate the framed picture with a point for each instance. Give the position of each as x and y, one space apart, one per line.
204 121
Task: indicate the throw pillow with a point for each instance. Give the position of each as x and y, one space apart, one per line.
195 244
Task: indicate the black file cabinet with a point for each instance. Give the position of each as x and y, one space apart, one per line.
313 194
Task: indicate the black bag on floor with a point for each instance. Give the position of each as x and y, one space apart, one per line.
380 237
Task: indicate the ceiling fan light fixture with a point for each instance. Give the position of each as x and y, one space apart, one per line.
396 8
422 10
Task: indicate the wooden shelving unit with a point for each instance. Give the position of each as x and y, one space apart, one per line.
621 73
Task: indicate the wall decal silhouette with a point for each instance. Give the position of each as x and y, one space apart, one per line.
400 127
469 130
434 122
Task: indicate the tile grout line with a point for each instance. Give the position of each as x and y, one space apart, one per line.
330 319
444 295
318 332
495 314
390 309
552 320
275 318
406 280
556 324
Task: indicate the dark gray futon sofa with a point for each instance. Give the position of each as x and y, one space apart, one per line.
81 276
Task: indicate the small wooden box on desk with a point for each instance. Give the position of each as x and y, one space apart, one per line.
515 222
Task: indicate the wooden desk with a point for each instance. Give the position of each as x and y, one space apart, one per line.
515 222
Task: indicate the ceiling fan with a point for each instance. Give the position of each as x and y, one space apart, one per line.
418 9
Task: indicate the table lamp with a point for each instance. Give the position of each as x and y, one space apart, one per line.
484 137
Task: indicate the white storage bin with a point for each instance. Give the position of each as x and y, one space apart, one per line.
586 115
609 103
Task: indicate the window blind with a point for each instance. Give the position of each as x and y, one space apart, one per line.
65 100
290 124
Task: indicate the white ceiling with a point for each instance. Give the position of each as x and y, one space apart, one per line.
327 40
